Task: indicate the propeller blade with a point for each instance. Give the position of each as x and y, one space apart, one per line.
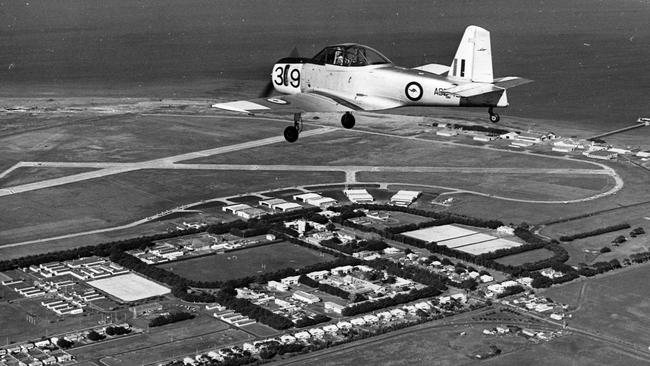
294 52
267 91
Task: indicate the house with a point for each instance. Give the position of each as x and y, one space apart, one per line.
318 275
277 286
333 307
509 136
301 336
486 278
317 333
287 339
343 325
358 322
305 297
289 281
331 328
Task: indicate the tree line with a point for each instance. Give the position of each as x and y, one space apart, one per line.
596 232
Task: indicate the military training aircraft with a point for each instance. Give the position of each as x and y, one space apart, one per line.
351 77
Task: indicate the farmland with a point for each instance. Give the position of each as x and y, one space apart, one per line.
246 262
617 304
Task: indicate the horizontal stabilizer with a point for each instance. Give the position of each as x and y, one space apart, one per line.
472 89
511 81
434 69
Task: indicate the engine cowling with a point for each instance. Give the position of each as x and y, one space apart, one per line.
287 77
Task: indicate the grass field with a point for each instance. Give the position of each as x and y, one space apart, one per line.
29 175
127 197
617 304
525 257
368 149
435 346
246 262
164 342
518 186
128 138
569 350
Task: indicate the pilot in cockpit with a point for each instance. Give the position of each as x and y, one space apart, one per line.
338 57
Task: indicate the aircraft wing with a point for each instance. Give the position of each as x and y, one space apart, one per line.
294 103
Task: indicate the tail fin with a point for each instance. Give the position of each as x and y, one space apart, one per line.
473 60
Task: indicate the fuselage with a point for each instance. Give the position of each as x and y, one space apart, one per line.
371 86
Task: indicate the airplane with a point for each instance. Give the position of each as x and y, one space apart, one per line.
351 77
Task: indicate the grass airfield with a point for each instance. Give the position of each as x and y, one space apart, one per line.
101 173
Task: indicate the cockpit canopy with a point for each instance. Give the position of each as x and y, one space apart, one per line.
350 55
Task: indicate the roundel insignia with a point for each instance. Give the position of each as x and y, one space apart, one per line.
277 101
413 91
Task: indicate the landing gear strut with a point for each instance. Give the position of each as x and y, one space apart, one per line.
347 120
291 133
494 117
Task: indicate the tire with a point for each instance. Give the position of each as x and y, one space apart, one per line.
494 118
347 120
291 134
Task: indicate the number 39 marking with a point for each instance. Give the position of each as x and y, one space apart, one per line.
285 77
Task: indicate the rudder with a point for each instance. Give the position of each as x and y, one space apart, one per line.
473 59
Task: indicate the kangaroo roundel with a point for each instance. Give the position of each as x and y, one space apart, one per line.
413 91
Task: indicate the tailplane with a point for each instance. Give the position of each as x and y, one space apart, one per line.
473 60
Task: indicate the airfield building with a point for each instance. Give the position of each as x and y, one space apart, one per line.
404 198
358 195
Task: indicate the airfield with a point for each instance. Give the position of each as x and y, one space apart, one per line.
89 174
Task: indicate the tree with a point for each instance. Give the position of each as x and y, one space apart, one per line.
605 250
64 343
94 336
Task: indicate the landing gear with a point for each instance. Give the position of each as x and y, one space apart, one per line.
291 133
347 120
494 117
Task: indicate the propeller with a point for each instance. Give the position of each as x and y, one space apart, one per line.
268 88
267 91
294 52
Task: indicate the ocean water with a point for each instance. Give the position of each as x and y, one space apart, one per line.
589 59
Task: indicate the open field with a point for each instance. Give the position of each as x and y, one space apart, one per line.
128 138
616 305
127 197
29 175
569 350
518 186
635 216
246 262
380 150
525 257
434 346
163 342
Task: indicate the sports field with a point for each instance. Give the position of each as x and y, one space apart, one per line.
247 262
525 257
439 233
130 287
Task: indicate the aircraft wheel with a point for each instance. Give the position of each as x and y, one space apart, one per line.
347 120
494 118
291 134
